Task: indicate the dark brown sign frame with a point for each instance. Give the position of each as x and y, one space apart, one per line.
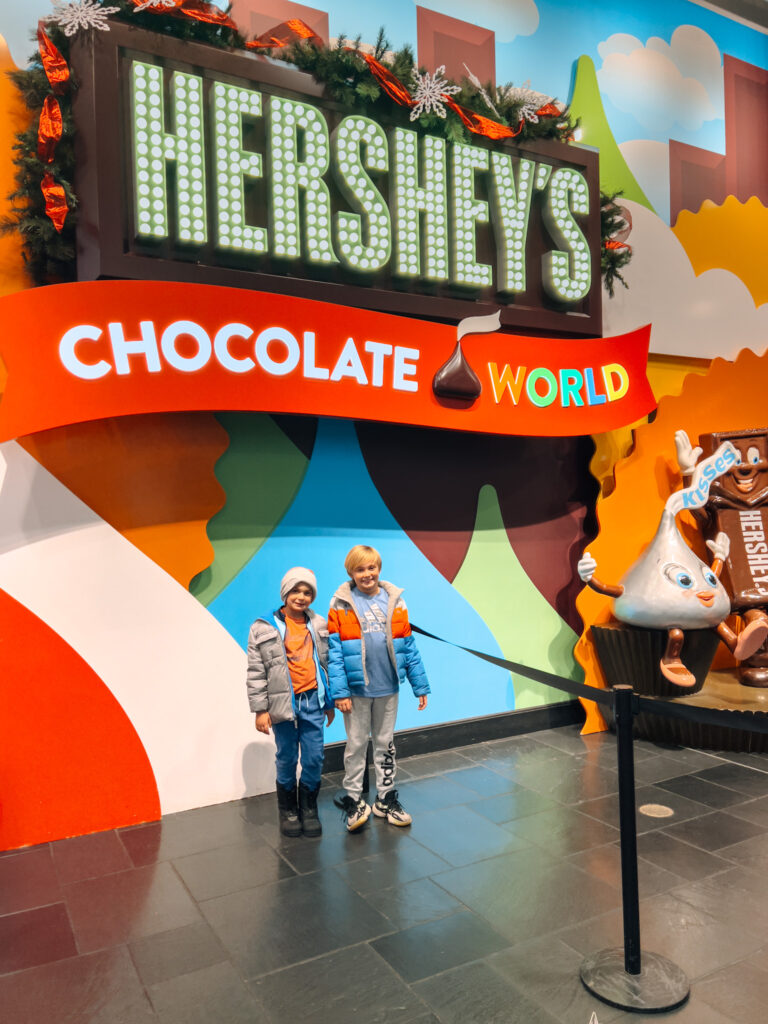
103 183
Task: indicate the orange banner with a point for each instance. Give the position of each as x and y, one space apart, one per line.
76 352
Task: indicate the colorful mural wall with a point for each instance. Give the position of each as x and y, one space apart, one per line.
134 552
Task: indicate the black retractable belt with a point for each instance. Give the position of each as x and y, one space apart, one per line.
626 978
746 720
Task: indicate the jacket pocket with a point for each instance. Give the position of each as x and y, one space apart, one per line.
269 649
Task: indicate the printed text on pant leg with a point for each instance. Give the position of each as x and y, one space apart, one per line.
388 766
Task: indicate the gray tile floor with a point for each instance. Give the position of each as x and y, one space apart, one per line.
480 913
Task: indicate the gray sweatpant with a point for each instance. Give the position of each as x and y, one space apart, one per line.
374 717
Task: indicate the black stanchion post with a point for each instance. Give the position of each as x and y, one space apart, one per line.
630 895
646 983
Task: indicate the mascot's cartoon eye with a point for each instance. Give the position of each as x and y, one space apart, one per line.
710 577
753 455
678 575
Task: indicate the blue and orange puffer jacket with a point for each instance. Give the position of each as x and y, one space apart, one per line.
346 645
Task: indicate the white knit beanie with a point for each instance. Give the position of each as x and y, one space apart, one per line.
296 576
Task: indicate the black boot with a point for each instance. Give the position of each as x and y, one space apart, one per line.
310 822
290 824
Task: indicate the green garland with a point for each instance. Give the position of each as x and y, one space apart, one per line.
348 80
612 260
50 255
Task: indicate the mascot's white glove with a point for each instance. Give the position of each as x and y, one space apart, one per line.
720 546
586 567
687 455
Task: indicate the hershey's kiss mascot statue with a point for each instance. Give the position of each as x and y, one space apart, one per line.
669 587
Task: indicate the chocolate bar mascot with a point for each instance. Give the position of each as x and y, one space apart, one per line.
738 507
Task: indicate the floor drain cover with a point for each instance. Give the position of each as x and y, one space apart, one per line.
656 811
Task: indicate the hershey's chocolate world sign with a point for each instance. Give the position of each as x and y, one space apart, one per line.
200 165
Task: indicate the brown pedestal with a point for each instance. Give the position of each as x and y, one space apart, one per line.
721 690
631 655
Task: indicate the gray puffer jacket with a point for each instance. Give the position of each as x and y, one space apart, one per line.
269 679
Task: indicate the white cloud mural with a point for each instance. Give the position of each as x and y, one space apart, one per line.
507 18
706 316
665 86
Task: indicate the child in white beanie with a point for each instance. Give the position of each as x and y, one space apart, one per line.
287 690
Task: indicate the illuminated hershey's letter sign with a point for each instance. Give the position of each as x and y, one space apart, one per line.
425 229
209 166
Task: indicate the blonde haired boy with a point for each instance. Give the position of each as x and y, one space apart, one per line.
371 651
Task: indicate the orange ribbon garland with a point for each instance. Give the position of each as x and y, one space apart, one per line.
49 129
293 29
390 83
54 65
476 123
284 34
55 201
482 125
197 9
202 11
50 126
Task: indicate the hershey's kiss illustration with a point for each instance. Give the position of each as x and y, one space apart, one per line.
669 587
456 378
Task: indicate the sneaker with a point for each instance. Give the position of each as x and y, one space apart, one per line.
389 807
357 811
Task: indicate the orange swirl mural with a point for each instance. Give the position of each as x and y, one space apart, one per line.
728 237
150 477
70 765
730 396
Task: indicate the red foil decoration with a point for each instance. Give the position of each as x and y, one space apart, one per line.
55 201
482 125
202 11
49 129
197 9
54 65
291 31
549 110
391 85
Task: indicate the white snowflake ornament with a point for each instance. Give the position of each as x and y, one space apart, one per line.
429 92
76 14
157 4
529 100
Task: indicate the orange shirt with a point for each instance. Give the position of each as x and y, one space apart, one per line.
300 655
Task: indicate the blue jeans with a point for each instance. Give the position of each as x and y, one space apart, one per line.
304 735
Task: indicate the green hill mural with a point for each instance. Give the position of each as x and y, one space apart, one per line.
525 625
261 472
587 104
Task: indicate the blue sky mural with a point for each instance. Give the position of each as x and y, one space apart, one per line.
658 62
338 506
